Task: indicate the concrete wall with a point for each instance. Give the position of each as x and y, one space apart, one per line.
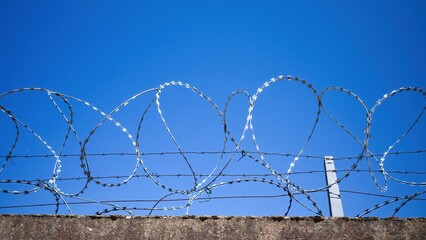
121 227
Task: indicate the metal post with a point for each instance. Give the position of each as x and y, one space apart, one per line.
334 200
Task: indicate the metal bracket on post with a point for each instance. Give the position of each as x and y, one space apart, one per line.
334 200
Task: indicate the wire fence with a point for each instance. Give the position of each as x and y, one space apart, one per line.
203 185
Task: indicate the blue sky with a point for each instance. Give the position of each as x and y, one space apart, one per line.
106 51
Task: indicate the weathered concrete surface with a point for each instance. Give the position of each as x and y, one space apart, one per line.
121 227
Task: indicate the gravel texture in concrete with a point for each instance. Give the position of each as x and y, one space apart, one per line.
208 227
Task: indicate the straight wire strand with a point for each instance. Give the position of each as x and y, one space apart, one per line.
106 154
148 200
199 199
178 175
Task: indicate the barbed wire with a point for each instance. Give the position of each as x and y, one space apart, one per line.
158 175
199 199
203 184
105 154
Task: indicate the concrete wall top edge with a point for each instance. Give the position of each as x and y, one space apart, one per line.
212 217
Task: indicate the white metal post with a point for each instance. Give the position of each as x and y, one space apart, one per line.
334 200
